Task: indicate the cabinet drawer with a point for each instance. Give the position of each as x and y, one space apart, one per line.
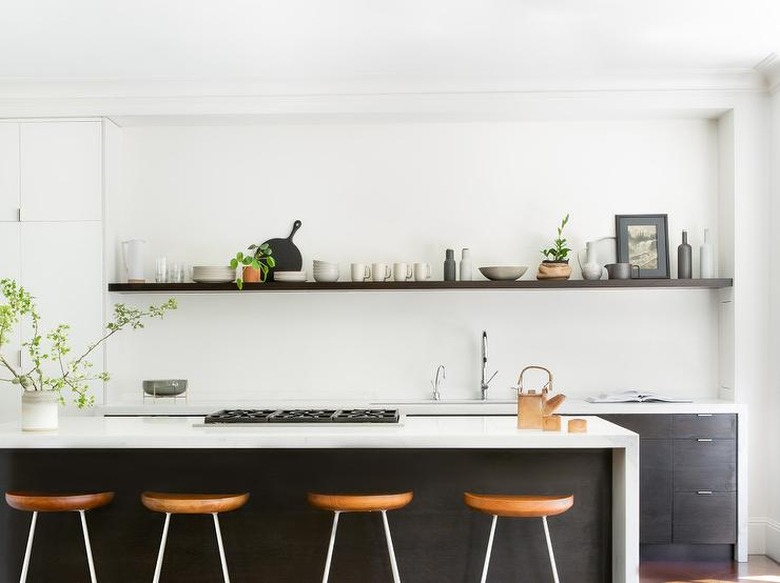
713 426
705 465
655 491
647 426
705 518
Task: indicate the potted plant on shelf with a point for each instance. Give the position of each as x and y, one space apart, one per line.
556 266
255 265
51 370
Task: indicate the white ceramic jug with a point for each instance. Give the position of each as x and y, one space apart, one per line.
133 256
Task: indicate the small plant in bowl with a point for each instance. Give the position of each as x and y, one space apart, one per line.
255 265
556 264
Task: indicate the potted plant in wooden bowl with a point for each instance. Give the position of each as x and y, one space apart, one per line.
51 370
556 266
255 265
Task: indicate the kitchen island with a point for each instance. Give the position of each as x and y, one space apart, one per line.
278 537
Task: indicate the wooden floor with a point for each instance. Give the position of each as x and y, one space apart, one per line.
759 569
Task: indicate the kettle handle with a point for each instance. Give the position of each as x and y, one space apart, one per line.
548 386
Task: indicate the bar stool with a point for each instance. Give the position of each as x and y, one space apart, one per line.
519 507
192 504
38 502
338 503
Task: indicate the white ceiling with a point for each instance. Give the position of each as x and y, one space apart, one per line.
385 41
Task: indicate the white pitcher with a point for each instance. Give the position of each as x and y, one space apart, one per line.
133 256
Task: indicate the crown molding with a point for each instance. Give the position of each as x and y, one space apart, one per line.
769 67
621 93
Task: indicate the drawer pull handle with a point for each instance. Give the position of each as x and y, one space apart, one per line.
704 439
703 414
704 492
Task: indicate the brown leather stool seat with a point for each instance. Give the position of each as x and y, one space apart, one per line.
338 503
36 502
172 503
519 506
193 503
360 502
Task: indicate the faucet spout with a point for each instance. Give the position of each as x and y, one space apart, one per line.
484 384
435 382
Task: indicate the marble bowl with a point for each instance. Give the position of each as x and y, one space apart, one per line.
503 272
165 387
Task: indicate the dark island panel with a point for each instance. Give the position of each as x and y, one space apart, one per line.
277 537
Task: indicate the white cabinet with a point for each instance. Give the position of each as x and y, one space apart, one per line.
60 172
10 268
9 171
62 266
51 231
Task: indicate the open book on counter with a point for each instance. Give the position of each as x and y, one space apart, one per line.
632 396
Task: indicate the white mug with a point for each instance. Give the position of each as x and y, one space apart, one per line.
422 271
402 271
360 272
380 272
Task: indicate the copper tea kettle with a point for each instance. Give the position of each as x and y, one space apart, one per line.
533 407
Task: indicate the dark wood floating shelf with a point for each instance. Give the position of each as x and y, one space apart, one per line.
422 285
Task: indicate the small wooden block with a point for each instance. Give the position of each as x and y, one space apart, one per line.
552 423
578 426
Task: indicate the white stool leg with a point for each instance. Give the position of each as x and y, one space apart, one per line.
92 575
549 549
330 546
161 552
393 564
221 548
28 550
489 548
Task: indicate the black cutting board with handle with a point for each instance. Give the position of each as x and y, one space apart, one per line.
285 253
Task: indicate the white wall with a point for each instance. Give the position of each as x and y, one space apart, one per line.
773 435
406 191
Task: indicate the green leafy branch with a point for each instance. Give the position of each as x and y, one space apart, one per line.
260 258
560 252
54 347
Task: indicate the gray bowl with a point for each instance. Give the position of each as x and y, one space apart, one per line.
165 387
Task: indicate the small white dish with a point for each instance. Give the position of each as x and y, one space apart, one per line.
503 272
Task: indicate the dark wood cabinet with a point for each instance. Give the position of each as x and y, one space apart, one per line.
688 477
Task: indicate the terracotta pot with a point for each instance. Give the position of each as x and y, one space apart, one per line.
554 270
250 275
40 410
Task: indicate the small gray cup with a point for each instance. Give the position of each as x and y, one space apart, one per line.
622 270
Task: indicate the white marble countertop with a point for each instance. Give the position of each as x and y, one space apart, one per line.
424 407
411 432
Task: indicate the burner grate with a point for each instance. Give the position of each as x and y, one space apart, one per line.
258 416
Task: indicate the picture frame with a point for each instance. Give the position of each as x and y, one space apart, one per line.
643 240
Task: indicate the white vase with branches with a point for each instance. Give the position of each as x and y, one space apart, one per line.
52 370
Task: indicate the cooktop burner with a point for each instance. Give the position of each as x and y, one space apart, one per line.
303 416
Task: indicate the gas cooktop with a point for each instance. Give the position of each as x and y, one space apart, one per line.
226 416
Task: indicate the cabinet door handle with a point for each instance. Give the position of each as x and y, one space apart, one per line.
704 439
703 414
704 492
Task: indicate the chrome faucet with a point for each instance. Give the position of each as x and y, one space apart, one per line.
435 382
485 384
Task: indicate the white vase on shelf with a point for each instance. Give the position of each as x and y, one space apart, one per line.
706 258
592 270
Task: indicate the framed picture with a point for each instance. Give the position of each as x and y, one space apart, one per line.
643 240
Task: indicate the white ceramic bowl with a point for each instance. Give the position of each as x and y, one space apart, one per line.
503 272
326 277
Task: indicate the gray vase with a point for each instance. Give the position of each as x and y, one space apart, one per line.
684 258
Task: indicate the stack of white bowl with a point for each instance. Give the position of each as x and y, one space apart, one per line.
213 273
290 276
325 271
